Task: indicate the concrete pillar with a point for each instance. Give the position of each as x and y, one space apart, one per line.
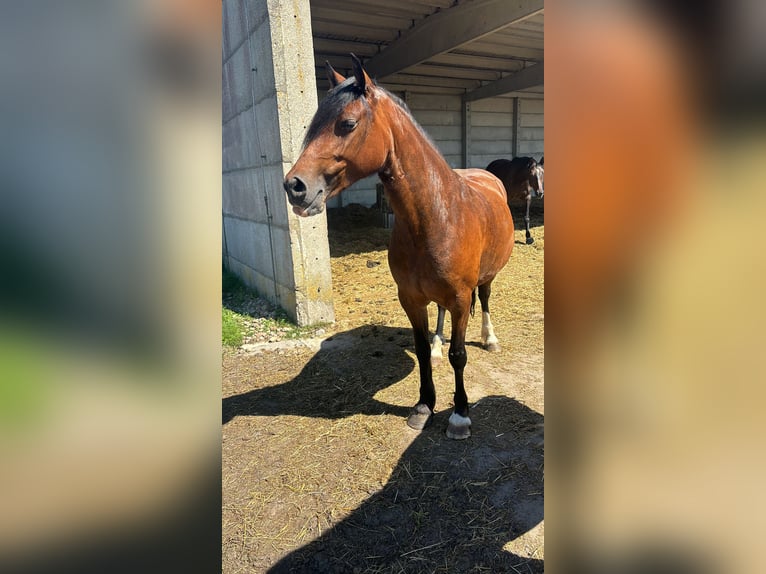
516 103
269 97
466 135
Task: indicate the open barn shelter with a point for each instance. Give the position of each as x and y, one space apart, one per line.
471 72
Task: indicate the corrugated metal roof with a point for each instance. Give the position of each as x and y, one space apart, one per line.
432 46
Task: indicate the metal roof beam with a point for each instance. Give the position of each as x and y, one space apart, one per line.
450 29
521 80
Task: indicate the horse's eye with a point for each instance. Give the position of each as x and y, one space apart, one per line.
347 125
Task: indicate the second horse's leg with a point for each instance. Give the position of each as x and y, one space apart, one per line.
438 340
530 240
488 338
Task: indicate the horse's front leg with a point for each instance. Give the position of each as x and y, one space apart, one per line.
530 240
438 340
423 411
459 426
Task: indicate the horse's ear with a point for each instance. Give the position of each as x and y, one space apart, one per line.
334 77
363 81
542 160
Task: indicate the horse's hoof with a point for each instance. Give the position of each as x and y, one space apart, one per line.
420 417
458 428
530 240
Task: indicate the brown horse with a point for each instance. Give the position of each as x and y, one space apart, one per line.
521 176
451 233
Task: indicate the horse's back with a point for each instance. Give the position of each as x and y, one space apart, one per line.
499 166
483 182
504 168
514 174
520 162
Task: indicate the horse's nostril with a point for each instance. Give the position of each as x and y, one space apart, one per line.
298 185
295 186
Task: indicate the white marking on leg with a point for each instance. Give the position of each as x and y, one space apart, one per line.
487 330
459 428
456 420
436 347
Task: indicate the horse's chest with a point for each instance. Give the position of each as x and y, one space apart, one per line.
405 262
420 268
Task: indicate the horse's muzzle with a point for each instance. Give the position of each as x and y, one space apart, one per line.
304 204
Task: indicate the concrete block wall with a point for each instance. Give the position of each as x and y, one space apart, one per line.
532 127
269 97
493 124
440 116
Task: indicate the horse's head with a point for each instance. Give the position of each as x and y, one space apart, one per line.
536 176
344 143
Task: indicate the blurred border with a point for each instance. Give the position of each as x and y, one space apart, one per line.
110 287
654 273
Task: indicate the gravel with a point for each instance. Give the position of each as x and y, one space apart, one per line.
264 322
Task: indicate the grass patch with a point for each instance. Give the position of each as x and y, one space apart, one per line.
232 328
244 322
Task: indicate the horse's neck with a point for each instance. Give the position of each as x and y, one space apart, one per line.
416 177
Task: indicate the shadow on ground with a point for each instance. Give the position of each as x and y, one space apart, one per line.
448 507
339 380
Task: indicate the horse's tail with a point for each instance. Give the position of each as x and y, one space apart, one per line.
473 301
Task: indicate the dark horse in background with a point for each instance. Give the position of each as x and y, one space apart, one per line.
360 129
522 177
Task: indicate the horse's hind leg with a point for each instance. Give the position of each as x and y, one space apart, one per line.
488 338
530 240
423 411
438 340
459 426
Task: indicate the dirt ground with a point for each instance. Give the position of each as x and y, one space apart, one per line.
320 471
